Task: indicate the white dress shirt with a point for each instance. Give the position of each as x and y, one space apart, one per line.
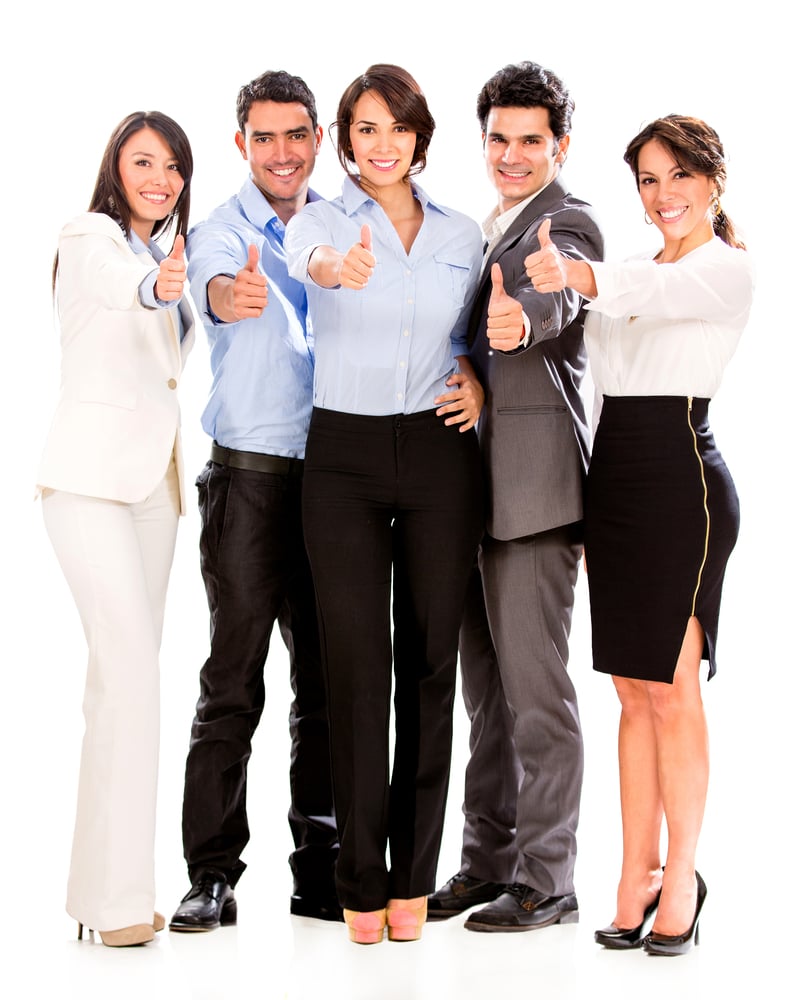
668 329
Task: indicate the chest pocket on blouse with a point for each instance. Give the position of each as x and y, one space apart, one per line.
453 273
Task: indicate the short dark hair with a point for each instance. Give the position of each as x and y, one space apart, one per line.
405 101
109 195
527 85
278 86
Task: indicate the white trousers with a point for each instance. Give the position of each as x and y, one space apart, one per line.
116 558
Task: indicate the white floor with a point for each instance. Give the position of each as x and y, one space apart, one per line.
745 855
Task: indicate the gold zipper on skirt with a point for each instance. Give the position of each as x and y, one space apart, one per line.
706 508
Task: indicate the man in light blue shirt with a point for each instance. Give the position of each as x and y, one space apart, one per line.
252 548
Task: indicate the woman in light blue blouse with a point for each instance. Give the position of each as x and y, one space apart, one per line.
393 497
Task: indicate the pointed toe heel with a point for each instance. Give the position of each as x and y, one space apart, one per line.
365 926
128 937
620 938
678 944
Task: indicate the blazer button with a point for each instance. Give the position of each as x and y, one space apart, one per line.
172 383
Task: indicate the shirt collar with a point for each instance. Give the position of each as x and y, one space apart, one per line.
137 245
497 223
257 207
354 197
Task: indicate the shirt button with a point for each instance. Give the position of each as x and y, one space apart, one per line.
399 396
406 333
172 383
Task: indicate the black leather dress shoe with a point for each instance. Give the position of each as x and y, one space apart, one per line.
521 908
318 907
208 904
460 893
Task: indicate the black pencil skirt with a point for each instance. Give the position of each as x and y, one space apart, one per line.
661 519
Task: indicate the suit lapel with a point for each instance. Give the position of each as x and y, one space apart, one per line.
550 196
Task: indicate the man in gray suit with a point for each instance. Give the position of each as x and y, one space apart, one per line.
524 776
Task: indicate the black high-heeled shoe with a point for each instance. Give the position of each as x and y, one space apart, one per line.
621 938
678 944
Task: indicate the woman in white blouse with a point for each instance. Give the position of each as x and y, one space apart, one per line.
392 494
111 480
661 511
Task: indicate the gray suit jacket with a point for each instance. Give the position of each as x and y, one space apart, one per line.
533 429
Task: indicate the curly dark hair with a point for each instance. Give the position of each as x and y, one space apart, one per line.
527 85
280 87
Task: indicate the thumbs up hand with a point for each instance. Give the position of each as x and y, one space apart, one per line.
358 263
546 268
250 291
172 273
505 315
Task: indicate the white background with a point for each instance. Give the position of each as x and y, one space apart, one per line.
68 76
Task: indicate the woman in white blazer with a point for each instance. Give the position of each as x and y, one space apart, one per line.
111 480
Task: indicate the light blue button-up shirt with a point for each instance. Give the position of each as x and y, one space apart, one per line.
261 394
147 287
389 347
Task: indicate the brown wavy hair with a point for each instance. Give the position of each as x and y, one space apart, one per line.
405 101
697 148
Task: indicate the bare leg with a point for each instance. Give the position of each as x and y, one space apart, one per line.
641 803
683 757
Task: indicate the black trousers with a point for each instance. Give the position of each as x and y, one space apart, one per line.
393 514
256 572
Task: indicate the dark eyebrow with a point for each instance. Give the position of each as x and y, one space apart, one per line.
152 156
288 131
530 135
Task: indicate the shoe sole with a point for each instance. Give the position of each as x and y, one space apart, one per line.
569 917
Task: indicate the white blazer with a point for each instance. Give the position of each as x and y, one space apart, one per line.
117 419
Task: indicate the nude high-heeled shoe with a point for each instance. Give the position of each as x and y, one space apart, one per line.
158 921
125 937
365 926
405 918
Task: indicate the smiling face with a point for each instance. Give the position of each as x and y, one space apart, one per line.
521 152
150 176
280 145
382 147
677 201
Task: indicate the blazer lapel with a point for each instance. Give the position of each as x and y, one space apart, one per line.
548 198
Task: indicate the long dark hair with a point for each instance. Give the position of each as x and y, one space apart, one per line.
697 149
404 100
108 196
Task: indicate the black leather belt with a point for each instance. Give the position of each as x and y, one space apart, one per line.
254 461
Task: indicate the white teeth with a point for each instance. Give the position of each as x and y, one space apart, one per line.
672 213
384 163
286 172
158 198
